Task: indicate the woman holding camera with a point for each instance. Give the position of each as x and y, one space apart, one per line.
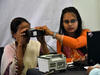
22 54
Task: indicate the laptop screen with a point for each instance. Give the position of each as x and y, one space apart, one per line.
93 46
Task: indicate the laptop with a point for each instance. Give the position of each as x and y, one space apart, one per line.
93 46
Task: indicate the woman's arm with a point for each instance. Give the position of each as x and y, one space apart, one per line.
19 59
79 42
44 48
71 42
67 40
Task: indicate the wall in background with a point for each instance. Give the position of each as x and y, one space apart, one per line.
41 12
90 13
45 12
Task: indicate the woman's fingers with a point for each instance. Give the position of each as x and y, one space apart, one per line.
45 28
41 27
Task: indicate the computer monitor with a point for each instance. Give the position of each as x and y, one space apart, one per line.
93 46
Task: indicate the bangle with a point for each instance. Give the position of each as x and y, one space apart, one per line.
54 35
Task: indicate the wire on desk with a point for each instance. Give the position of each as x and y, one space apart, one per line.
51 48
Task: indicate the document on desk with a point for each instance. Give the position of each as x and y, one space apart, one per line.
86 67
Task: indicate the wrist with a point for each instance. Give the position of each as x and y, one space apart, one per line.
54 35
51 33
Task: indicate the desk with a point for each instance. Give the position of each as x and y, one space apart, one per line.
68 72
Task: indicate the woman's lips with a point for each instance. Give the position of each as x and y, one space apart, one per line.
70 28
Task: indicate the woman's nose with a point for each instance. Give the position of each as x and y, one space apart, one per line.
70 24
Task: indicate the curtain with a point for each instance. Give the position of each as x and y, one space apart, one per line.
37 12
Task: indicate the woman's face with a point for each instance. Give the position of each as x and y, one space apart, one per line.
23 27
20 34
70 22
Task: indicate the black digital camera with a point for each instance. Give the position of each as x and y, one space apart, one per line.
34 33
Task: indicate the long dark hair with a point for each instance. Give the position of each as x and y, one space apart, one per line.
72 10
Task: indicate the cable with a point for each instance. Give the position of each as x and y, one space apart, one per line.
51 48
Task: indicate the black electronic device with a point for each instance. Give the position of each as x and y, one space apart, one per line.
93 46
34 32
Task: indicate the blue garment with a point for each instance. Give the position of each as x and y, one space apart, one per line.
95 71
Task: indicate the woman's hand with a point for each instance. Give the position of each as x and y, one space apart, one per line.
92 67
46 29
21 38
21 43
89 69
44 48
41 39
49 32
